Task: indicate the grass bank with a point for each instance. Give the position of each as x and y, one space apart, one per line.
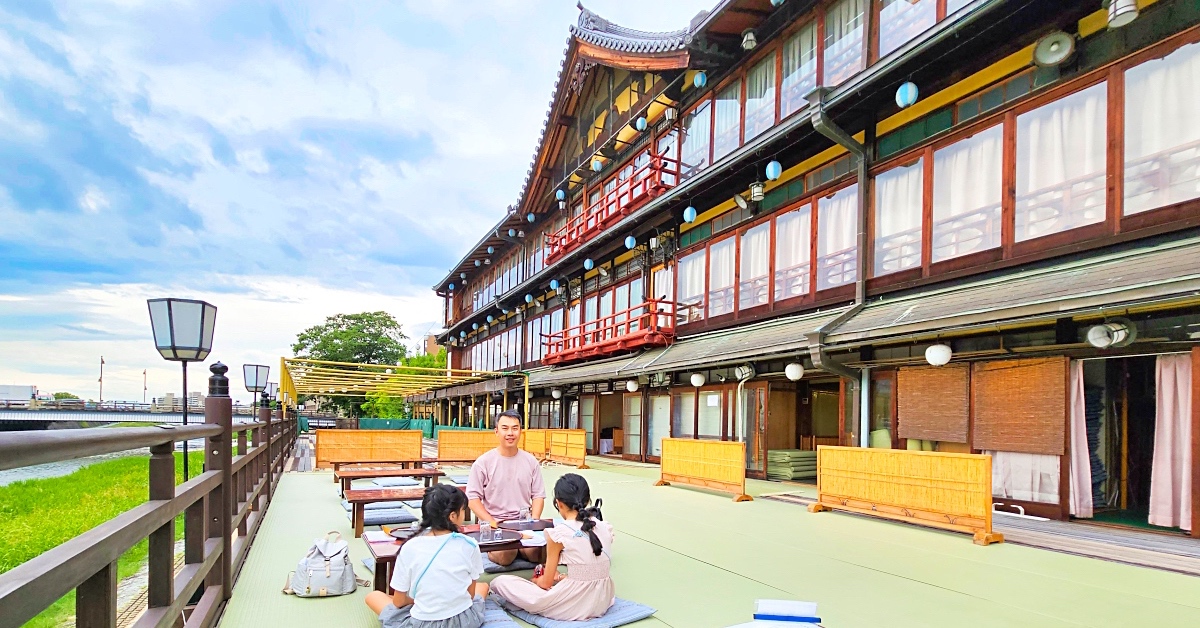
38 515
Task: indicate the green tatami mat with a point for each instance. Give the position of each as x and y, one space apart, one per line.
702 560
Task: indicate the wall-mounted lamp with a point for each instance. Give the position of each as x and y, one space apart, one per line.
697 379
756 191
749 41
556 393
939 354
794 371
1114 334
1121 12
631 385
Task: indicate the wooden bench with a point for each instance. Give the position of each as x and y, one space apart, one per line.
359 498
404 463
346 476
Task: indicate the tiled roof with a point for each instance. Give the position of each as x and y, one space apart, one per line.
598 31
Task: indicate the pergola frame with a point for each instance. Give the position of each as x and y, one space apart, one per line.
303 376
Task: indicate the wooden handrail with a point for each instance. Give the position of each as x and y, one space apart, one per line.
653 317
231 493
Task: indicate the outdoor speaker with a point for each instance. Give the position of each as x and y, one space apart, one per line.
1054 49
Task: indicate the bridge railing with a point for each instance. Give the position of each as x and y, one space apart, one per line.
232 494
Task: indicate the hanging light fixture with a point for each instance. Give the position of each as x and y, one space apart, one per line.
756 191
556 393
749 41
588 264
554 284
530 217
630 242
939 354
777 3
700 80
697 379
774 170
462 275
512 233
906 95
631 385
490 318
461 334
529 298
450 287
1121 12
474 325
689 214
491 249
641 123
478 263
794 371
597 165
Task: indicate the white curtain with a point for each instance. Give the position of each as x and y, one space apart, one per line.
843 40
720 277
755 264
691 278
792 249
728 120
1171 471
837 227
760 97
966 195
1081 463
1162 130
799 69
696 129
1061 159
898 209
1026 477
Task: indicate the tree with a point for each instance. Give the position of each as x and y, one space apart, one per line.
380 405
65 395
365 338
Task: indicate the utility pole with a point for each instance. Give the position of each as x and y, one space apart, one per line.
101 379
143 385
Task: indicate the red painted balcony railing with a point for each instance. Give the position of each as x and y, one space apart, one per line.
648 176
649 324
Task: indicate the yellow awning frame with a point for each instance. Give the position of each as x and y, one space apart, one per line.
303 376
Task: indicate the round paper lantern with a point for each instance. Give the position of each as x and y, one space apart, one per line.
774 171
554 284
462 334
631 385
939 354
794 371
588 264
529 298
700 80
474 325
597 165
906 95
689 214
630 242
490 318
462 275
556 393
478 263
512 233
491 249
450 287
560 195
530 217
697 379
641 124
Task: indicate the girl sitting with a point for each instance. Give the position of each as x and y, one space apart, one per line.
581 542
436 571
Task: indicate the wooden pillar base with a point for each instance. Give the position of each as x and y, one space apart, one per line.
818 507
662 483
743 498
987 538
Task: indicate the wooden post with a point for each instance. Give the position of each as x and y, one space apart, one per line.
244 482
259 468
218 410
96 599
264 416
161 584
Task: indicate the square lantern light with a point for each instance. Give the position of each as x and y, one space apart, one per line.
256 377
183 328
272 389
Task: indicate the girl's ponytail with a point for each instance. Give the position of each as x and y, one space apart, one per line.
572 491
589 516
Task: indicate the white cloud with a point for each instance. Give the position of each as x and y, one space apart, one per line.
93 200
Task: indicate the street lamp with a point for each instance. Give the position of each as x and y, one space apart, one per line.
183 332
256 380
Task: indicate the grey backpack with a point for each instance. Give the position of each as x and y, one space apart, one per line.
325 571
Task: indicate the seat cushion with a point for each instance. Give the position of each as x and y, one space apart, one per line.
517 565
385 516
458 479
620 613
395 482
375 505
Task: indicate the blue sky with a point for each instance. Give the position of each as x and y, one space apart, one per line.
283 160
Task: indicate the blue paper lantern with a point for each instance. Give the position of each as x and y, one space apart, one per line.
777 3
450 287
490 318
630 242
491 249
597 165
906 95
560 195
478 263
462 334
504 310
689 214
529 298
774 171
554 284
462 275
474 325
588 264
641 124
512 233
530 217
700 80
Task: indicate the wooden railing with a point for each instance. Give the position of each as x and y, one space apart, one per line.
647 324
649 176
232 494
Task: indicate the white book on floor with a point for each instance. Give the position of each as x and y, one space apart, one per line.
785 608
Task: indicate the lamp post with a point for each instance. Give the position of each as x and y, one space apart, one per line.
256 380
272 390
183 332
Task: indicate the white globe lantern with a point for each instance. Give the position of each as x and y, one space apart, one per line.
794 371
939 354
556 393
631 385
697 379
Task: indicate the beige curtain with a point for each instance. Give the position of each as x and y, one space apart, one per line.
1171 471
1081 466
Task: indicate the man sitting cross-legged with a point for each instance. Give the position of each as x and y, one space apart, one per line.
504 482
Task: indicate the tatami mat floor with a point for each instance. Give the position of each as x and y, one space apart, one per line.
702 560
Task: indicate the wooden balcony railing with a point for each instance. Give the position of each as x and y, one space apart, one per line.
649 324
649 179
232 494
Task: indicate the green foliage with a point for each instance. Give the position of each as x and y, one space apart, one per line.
38 515
65 395
364 338
380 406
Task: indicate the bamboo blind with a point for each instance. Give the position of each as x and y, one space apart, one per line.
719 465
933 402
468 444
567 447
537 442
1021 405
367 445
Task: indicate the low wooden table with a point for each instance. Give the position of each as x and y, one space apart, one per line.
346 476
384 554
403 462
359 498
